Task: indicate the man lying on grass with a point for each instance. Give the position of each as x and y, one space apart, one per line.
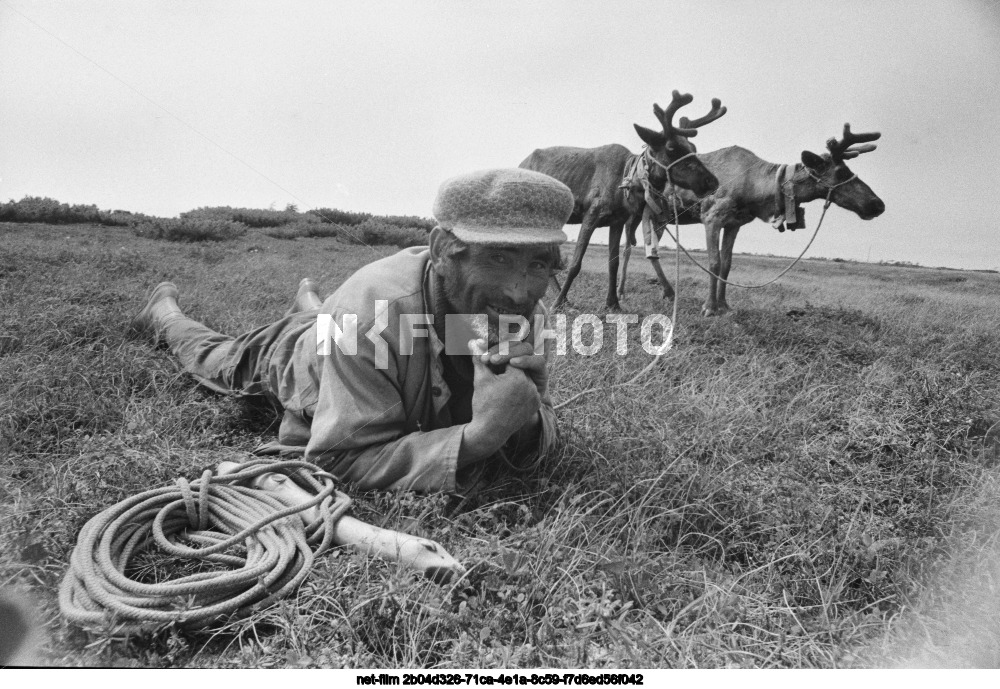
408 409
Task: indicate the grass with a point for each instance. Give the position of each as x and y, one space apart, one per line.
810 481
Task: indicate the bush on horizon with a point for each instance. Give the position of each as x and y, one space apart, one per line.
251 217
38 209
339 217
47 210
371 232
187 230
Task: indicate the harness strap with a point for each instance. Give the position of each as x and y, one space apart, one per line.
779 176
791 207
632 171
830 187
650 197
666 168
780 200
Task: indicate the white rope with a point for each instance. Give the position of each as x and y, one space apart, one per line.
678 247
763 284
669 343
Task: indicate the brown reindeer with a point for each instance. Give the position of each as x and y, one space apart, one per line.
595 176
753 188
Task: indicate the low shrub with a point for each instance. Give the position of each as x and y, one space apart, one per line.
375 231
334 216
371 232
38 209
251 217
349 218
425 224
122 218
186 230
304 229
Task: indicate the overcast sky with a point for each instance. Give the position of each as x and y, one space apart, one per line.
161 107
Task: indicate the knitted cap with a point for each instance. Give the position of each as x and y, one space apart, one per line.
505 206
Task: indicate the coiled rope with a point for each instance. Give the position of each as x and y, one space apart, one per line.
220 513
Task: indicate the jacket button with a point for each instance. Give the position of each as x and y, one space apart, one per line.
436 391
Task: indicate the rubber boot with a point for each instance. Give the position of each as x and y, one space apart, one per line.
160 308
306 299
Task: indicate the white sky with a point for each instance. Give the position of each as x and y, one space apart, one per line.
161 107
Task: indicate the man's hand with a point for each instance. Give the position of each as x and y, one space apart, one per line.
501 405
522 355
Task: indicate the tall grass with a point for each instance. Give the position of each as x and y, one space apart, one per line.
809 481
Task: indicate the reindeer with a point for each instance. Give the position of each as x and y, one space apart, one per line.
753 188
603 197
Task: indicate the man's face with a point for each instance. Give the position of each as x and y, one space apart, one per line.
496 280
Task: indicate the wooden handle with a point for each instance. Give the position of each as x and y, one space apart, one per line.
421 554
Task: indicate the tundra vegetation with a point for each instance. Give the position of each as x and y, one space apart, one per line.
810 481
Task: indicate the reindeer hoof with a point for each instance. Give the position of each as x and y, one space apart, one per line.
668 294
708 310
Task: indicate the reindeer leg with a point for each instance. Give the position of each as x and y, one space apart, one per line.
710 307
614 242
582 242
629 241
556 281
668 290
621 280
630 225
728 240
653 237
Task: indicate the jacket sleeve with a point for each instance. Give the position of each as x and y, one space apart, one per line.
359 429
530 444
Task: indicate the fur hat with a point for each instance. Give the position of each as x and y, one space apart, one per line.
504 206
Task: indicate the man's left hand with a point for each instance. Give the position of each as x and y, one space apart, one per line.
522 355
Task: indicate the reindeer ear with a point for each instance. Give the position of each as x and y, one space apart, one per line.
654 139
812 161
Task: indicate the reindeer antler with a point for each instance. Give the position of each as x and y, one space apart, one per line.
847 148
717 111
666 116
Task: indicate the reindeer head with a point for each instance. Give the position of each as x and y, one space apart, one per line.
667 148
832 176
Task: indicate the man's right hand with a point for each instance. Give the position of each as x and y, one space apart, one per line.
502 403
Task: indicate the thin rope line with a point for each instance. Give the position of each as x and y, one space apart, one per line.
176 117
669 343
776 277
